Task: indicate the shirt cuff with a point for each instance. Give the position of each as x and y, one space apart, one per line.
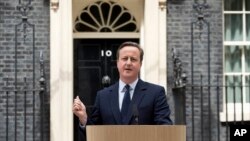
82 126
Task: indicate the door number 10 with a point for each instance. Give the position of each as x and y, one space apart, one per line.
107 53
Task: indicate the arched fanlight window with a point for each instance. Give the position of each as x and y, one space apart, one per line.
105 17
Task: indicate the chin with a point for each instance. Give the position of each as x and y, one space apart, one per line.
128 76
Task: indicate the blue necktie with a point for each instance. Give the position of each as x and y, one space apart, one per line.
125 104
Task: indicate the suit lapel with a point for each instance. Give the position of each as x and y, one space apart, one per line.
115 103
136 100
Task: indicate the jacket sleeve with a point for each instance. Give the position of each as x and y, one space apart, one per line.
161 108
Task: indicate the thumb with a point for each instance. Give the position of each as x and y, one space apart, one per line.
77 97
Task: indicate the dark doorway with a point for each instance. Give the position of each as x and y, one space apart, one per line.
93 59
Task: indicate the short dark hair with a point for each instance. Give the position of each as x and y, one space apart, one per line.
133 44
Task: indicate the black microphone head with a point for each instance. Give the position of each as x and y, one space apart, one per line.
135 110
135 114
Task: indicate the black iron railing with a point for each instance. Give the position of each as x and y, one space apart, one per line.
206 108
24 108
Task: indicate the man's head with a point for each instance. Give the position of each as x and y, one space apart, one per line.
129 61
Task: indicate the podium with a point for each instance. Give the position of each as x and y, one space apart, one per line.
136 133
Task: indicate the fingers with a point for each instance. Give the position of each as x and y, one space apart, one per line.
78 105
79 110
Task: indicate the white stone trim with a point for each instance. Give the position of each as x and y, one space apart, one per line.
154 43
111 35
162 45
61 73
229 115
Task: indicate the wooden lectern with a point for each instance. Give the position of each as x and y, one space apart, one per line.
136 133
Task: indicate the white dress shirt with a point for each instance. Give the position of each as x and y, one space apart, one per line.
122 90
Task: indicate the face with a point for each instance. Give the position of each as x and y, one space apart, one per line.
129 63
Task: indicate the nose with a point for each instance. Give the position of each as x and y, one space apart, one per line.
128 61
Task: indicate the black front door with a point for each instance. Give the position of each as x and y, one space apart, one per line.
93 59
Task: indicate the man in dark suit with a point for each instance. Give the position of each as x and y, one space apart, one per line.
129 101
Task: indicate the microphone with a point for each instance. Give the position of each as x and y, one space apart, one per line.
135 115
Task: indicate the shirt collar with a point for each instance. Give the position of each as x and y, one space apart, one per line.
132 85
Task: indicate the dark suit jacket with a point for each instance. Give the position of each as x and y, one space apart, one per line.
149 101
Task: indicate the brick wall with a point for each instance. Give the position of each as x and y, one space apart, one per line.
10 18
179 18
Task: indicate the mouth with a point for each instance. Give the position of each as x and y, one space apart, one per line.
128 69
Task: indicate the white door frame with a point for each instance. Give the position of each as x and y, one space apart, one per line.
152 39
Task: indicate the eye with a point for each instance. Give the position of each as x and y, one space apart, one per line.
133 59
125 58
